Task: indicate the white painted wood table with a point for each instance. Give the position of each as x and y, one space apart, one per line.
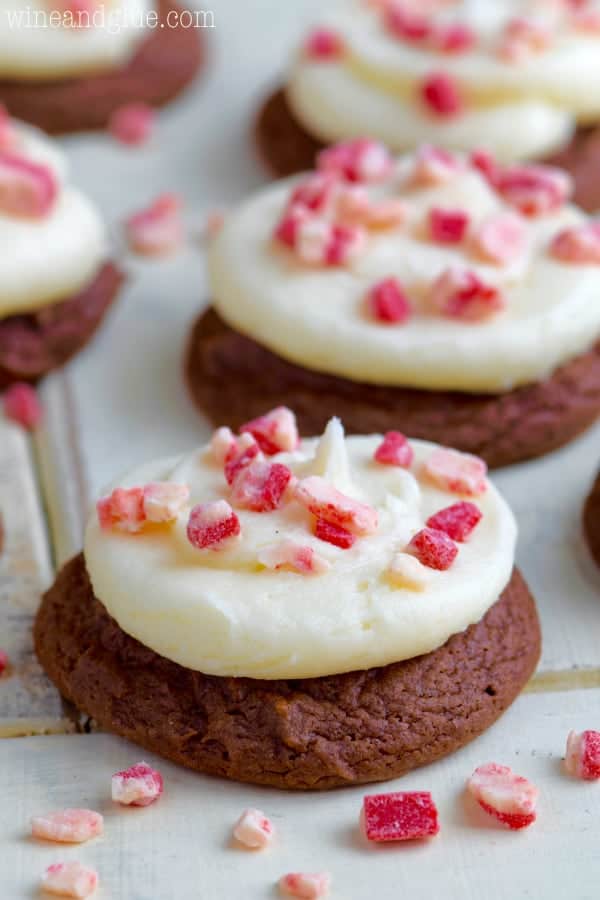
124 400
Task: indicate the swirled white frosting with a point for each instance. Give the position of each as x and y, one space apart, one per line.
519 110
46 260
315 316
35 46
222 613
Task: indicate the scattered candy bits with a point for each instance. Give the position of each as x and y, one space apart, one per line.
433 549
261 486
583 755
579 244
28 190
360 160
140 785
399 816
212 525
508 797
158 230
274 432
388 302
241 453
70 879
395 450
442 96
21 405
459 473
68 826
325 502
130 509
253 829
304 885
462 294
297 557
457 521
133 124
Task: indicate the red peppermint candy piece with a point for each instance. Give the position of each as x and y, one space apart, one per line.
388 302
122 510
70 879
291 555
307 886
406 24
211 525
583 755
260 486
333 534
359 160
508 797
400 816
486 163
462 294
453 38
355 207
442 95
534 190
395 450
434 165
274 432
325 502
579 244
253 829
68 826
316 192
448 226
21 405
433 549
500 239
288 228
158 230
132 124
243 451
459 473
346 243
139 785
457 521
324 44
28 190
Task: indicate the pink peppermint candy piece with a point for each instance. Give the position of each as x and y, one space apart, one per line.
222 443
28 190
122 510
360 160
459 473
164 500
579 245
133 124
70 879
457 521
316 192
158 230
304 885
501 239
583 755
325 502
347 243
462 294
213 525
448 226
333 534
508 797
253 829
434 165
275 432
140 785
261 486
316 241
21 405
534 190
287 230
455 37
442 95
68 826
523 38
324 45
407 24
297 557
395 450
433 549
354 206
400 816
485 163
241 453
387 302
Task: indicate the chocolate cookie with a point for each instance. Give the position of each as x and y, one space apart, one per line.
234 379
33 344
287 148
303 734
591 520
161 68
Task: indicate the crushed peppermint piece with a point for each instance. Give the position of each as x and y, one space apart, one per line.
305 886
395 450
460 293
253 829
346 244
500 239
534 190
158 230
455 37
28 190
360 160
508 797
275 432
243 451
315 192
288 228
457 521
485 163
222 443
291 555
324 44
21 405
583 755
68 826
132 124
523 38
387 302
442 95
448 226
434 165
406 571
212 525
433 549
354 206
261 486
70 879
400 816
140 785
407 24
579 244
164 500
123 510
325 502
334 534
459 473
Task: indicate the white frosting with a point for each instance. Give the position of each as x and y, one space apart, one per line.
518 110
315 316
47 260
29 51
223 614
